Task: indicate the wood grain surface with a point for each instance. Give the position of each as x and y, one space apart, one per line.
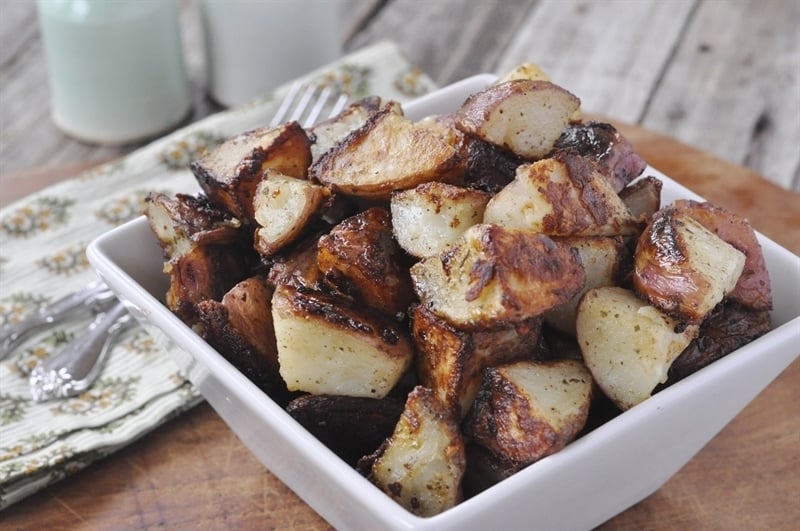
719 75
193 473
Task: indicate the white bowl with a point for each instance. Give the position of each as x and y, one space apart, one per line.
608 470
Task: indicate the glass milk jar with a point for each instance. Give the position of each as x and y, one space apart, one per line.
116 67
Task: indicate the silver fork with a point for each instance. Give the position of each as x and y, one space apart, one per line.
73 369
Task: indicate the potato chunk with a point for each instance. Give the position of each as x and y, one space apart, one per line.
627 344
530 409
240 328
283 208
328 346
422 463
388 153
523 116
428 218
562 196
642 197
753 289
230 173
683 268
493 275
328 133
361 259
604 261
451 361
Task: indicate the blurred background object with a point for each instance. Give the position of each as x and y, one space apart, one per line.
252 47
116 68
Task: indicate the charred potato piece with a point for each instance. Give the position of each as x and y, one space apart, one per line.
204 272
428 218
503 115
728 327
605 261
493 276
683 268
231 172
360 257
610 152
450 361
205 250
530 409
328 133
283 208
627 344
562 196
485 468
421 465
328 346
388 153
298 266
240 328
184 221
489 168
351 427
753 289
642 197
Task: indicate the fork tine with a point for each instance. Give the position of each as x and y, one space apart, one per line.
285 104
339 105
321 101
299 98
301 106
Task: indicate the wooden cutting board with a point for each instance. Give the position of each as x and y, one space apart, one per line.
193 473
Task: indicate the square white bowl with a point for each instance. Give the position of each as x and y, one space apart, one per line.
609 469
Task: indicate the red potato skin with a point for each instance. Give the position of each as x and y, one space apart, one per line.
753 290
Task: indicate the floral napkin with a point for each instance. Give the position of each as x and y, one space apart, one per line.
43 238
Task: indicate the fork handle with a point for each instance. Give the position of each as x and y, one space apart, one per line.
73 369
94 294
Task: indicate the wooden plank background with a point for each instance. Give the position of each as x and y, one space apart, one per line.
720 75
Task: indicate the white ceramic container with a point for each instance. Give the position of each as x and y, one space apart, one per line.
116 68
607 470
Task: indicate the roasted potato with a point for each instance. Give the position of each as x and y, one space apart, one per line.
388 153
493 276
205 250
527 410
432 216
605 262
530 71
728 327
753 289
240 328
642 197
682 268
503 113
610 153
360 257
328 133
628 344
326 345
561 196
183 221
284 206
488 167
297 266
450 361
351 427
231 172
421 465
